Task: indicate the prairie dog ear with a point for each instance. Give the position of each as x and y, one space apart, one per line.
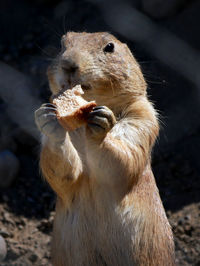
127 49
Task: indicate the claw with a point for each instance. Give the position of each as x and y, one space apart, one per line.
50 114
48 105
47 123
102 113
42 117
100 121
99 107
43 110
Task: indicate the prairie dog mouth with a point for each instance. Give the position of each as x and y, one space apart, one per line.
70 81
66 86
86 87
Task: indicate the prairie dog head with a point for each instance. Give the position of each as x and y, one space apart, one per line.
101 64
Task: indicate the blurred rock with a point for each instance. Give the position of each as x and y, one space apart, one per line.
7 131
17 91
4 233
9 167
45 225
33 258
160 8
3 249
8 219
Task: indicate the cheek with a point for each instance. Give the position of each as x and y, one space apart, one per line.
89 95
56 81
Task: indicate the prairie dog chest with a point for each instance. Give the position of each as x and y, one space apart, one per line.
94 228
78 139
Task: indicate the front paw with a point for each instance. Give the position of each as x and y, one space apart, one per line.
47 123
100 121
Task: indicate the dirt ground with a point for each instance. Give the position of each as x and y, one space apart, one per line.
27 205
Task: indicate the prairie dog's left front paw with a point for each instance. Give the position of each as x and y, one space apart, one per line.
100 121
47 122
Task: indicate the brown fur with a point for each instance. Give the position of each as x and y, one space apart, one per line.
108 210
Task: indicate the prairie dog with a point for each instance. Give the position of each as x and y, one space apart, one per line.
108 209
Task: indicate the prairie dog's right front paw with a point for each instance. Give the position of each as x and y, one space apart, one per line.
47 123
100 121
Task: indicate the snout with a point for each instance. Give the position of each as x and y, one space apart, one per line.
76 68
69 66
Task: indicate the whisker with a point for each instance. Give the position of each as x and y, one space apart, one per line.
43 51
64 24
113 91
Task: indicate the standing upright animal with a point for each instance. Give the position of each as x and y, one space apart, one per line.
108 209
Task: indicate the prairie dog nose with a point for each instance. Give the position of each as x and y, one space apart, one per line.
68 65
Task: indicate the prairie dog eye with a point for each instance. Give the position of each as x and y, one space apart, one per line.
109 48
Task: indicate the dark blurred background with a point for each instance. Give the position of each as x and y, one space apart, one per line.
164 37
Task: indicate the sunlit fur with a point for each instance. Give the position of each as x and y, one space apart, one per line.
108 208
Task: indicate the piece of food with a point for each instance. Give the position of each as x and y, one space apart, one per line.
72 109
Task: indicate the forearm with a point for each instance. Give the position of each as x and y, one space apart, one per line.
60 164
117 162
125 150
